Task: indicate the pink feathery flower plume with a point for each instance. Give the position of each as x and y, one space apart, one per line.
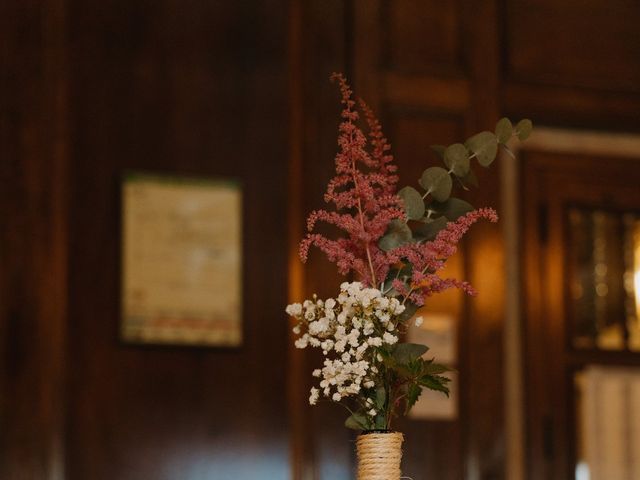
363 193
429 258
363 189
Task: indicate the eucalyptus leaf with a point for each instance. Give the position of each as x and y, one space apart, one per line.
357 421
504 130
429 230
485 147
404 271
523 129
405 353
469 180
456 158
413 203
398 233
437 182
452 209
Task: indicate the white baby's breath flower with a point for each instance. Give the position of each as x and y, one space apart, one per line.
419 321
295 309
302 342
389 338
347 325
313 398
383 316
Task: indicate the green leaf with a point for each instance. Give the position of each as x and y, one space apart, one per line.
357 421
469 180
398 233
431 368
381 398
485 147
387 359
405 271
524 128
452 209
429 230
456 158
380 421
405 353
409 311
437 182
504 130
435 382
413 393
413 203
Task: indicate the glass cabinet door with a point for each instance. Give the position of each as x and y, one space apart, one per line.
603 252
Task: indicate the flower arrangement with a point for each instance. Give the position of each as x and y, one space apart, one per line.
396 242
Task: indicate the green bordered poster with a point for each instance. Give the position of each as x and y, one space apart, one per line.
181 261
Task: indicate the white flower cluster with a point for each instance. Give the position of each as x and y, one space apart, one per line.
349 330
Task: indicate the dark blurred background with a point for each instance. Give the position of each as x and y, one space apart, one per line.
91 88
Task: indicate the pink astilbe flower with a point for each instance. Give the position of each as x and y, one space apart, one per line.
429 258
364 189
363 193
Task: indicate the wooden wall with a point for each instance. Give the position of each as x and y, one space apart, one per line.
194 88
90 88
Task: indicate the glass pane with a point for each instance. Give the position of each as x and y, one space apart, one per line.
604 271
607 423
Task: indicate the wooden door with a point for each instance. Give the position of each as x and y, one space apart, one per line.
556 189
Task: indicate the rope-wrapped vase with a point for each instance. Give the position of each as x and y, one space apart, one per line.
379 455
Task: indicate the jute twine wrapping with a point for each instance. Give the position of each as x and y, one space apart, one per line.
379 456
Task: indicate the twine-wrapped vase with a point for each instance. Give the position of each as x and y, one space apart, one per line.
379 455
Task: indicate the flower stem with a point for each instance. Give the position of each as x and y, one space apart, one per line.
361 216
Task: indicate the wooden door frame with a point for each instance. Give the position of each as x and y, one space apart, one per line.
548 395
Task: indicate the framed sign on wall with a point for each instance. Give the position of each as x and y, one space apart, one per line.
181 261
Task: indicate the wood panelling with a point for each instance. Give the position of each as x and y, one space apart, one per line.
572 63
426 105
433 449
33 247
322 445
194 88
90 88
422 36
577 43
431 93
550 181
